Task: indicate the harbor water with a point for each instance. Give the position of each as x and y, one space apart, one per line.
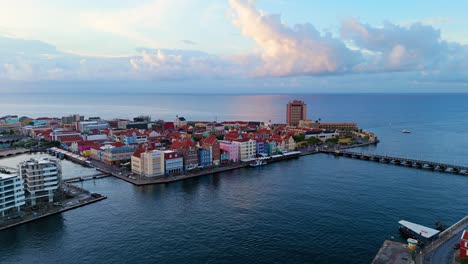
315 209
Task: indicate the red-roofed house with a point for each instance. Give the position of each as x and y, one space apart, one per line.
212 144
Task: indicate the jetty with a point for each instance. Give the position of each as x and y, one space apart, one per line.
399 161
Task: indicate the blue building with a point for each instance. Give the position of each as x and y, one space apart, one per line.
261 148
204 157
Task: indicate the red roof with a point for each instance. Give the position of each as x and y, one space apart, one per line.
176 145
210 140
139 151
69 139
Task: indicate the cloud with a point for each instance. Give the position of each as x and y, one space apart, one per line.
189 42
180 64
284 51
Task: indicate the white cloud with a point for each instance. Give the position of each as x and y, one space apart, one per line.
283 51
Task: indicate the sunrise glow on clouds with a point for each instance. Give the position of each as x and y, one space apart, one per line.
237 41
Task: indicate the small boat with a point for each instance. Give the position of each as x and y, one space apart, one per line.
405 131
257 163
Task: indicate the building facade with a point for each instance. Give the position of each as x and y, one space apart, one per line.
42 178
11 193
295 112
204 157
149 164
173 162
232 148
212 144
247 149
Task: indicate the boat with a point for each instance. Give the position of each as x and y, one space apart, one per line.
405 131
257 163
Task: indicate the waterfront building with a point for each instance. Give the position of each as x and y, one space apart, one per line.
231 148
148 163
6 141
11 193
224 156
173 162
116 155
288 143
204 157
247 149
189 152
270 147
321 134
260 147
295 112
212 144
42 178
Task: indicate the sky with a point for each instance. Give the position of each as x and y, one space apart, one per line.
233 46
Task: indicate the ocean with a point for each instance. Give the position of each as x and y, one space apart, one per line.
315 209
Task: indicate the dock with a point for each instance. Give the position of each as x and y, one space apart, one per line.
393 252
441 250
399 161
12 152
141 180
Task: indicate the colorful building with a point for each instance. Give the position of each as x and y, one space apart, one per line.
204 157
212 144
233 149
173 162
247 149
189 152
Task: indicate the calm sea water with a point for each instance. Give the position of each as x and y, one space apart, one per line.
316 209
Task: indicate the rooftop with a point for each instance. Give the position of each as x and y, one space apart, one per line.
423 231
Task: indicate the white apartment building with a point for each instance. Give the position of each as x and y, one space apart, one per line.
11 193
42 177
247 149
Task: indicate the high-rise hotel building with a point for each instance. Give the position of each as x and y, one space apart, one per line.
11 193
295 112
42 177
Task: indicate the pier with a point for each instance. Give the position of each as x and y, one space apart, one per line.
399 161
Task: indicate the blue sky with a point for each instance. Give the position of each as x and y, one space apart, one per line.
234 45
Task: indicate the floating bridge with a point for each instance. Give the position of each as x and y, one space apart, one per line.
398 161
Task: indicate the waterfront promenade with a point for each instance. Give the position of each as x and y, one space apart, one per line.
80 197
12 152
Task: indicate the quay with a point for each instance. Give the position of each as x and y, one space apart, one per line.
84 198
398 161
141 180
13 152
438 251
441 250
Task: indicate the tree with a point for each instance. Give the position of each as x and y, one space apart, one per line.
313 141
299 137
332 140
